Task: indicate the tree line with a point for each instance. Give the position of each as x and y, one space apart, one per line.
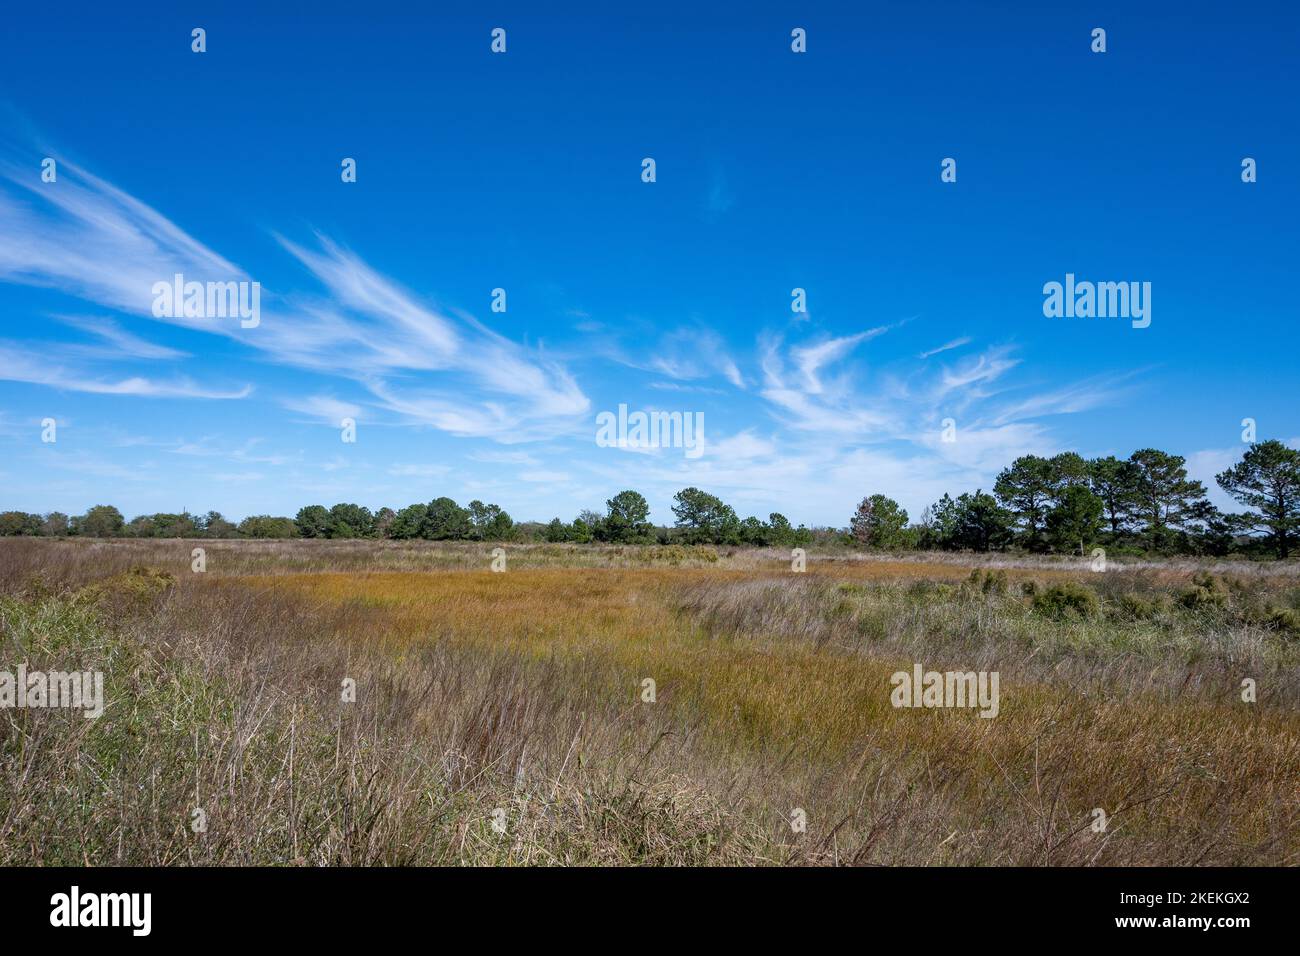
702 518
1065 504
1068 504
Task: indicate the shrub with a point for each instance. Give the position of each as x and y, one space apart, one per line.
1141 608
1064 601
128 593
988 582
1206 592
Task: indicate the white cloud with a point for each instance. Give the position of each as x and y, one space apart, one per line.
18 364
984 368
1079 397
123 344
328 409
743 446
983 451
810 359
89 239
954 344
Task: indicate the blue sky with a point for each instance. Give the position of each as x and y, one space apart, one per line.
522 171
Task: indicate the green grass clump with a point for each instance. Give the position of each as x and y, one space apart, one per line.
1141 608
992 583
1206 592
1066 601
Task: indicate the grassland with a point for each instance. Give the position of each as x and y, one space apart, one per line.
516 698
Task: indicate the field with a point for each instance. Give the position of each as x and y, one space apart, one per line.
505 718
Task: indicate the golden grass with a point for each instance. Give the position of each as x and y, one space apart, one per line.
1165 765
522 691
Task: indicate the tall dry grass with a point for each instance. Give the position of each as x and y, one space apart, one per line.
515 697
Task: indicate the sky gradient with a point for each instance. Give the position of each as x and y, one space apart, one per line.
522 171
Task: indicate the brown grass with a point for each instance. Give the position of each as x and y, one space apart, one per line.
520 693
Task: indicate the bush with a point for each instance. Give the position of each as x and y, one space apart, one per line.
1062 602
1140 608
988 582
129 593
1206 592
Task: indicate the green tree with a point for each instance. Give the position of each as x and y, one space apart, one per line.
939 525
1267 479
979 523
101 521
214 525
879 523
174 525
556 531
408 523
267 526
704 517
501 527
627 518
55 524
19 523
313 521
142 526
1026 489
753 532
446 521
488 522
1075 520
781 533
580 531
1163 494
350 521
1115 483
479 518
1212 530
1068 469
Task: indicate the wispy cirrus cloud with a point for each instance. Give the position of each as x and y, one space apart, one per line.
373 346
983 369
323 408
946 347
1095 392
803 400
88 238
810 359
377 333
40 367
419 363
119 342
686 353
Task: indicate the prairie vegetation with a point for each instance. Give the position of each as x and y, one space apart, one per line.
487 700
